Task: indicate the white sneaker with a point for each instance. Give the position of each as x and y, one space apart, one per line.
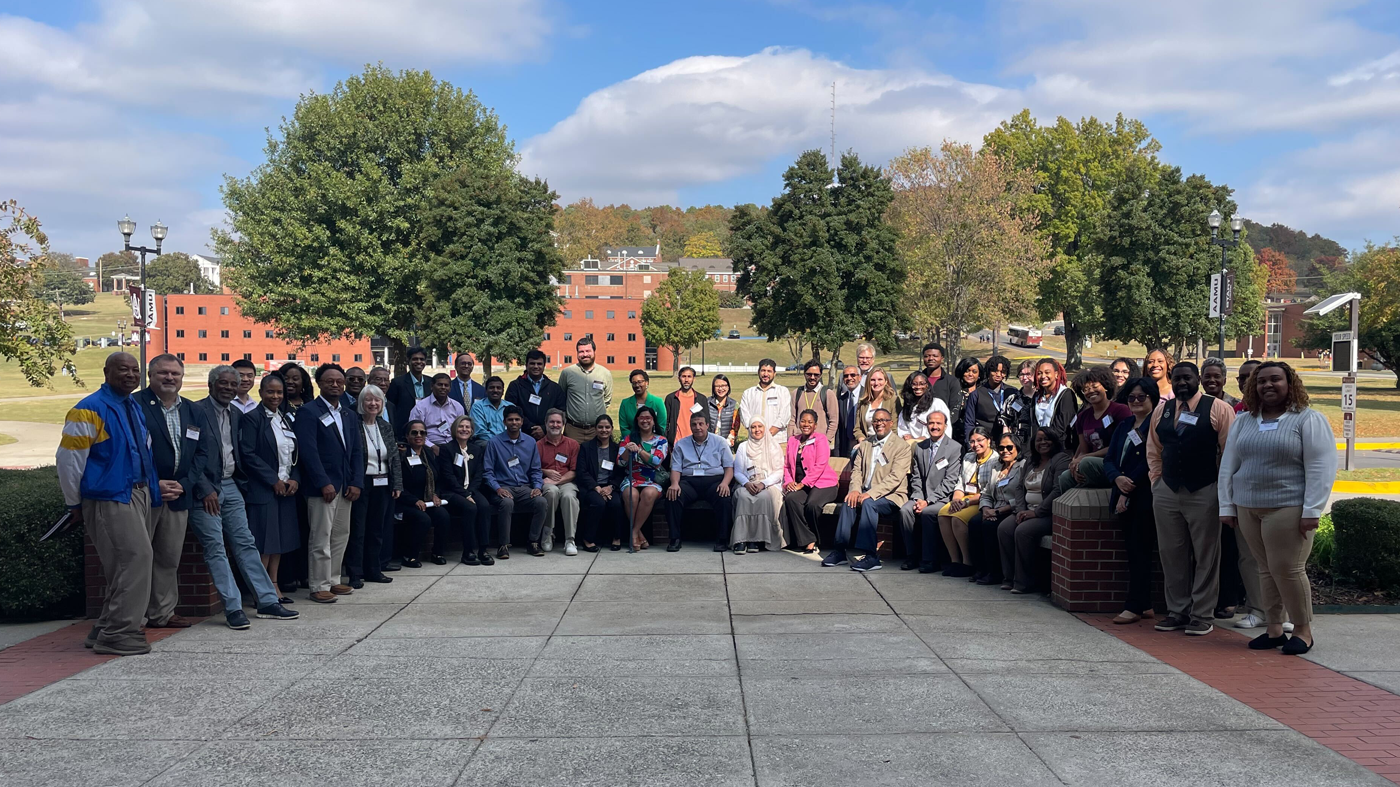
547 544
1288 628
1250 621
569 548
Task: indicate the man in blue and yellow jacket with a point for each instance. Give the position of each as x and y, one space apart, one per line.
107 475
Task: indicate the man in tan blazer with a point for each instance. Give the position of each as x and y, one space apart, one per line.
879 485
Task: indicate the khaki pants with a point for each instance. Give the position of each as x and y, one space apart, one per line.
167 543
561 496
121 534
1188 530
325 549
580 433
1282 553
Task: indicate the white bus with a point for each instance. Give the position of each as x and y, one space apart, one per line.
1021 336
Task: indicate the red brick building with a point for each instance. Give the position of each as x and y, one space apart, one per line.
1283 322
209 329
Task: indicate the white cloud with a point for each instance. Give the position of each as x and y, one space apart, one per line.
1387 67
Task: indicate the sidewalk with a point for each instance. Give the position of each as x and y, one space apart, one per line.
682 669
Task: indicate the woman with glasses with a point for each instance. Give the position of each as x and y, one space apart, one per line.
809 483
644 452
600 482
1093 428
877 395
723 410
1157 367
420 503
1004 482
627 411
954 516
1124 369
985 402
968 373
371 524
916 401
1055 404
1019 536
1125 466
462 466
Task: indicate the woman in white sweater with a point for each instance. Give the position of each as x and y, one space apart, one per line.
1275 476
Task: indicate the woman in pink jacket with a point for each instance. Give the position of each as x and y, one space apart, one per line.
808 483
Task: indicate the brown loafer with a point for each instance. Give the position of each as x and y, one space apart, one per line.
342 590
323 597
175 622
1127 617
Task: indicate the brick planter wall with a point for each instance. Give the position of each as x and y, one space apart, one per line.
1088 562
198 598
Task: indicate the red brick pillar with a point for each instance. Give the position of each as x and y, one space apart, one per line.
1088 561
198 598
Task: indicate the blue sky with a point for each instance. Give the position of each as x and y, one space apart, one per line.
141 106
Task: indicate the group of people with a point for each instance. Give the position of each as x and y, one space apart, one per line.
347 474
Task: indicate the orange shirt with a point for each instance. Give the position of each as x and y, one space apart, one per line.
687 401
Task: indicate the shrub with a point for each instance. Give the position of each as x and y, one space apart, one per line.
1368 542
1324 544
40 579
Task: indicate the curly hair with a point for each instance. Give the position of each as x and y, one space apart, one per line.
1101 374
1297 399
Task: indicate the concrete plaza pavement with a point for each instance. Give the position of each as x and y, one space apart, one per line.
653 669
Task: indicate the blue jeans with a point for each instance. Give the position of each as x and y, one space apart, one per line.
863 520
231 524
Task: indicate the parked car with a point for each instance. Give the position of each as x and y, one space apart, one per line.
734 334
1059 330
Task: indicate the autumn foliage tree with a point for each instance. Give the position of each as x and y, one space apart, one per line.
1282 278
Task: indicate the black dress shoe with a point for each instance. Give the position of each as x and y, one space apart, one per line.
718 548
469 558
503 553
357 583
615 548
535 549
925 568
392 567
486 559
674 546
1266 642
284 600
412 562
587 548
909 565
1295 646
439 560
380 578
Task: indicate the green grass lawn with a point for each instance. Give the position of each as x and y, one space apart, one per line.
6 439
1370 474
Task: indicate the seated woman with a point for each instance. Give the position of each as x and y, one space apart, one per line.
809 483
758 467
1004 482
269 451
600 477
420 504
461 464
644 452
953 517
916 401
1019 536
1125 465
1094 427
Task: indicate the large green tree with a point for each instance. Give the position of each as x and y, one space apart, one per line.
681 312
1078 168
114 263
177 272
64 287
1157 259
489 285
1375 273
32 330
323 235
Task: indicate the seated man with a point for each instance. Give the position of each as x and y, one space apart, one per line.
879 485
701 469
559 460
514 477
934 471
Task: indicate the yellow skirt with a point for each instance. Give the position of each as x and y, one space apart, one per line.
966 514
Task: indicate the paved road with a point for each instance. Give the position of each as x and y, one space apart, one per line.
678 669
35 444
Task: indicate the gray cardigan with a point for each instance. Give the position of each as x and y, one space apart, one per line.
386 433
995 494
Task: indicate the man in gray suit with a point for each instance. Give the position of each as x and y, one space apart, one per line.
933 476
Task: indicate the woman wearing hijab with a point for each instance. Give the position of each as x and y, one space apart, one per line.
758 499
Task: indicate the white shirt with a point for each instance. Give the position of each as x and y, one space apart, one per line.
773 407
286 444
375 452
245 404
917 427
335 416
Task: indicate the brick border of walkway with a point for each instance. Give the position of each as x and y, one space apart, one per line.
1355 719
49 658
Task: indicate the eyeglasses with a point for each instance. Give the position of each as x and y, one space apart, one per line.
812 374
849 375
1137 398
1002 449
883 420
417 433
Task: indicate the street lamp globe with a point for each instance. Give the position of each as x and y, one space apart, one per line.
1214 219
159 230
127 226
1236 223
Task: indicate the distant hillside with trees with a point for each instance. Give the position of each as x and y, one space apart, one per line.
1304 251
583 229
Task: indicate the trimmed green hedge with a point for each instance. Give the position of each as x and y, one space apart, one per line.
1324 544
1368 542
39 579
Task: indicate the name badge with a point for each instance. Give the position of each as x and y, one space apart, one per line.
597 385
695 408
773 399
327 420
415 460
192 432
535 399
607 464
1016 405
287 433
809 443
697 470
561 459
1189 419
1003 482
1134 437
881 460
1108 420
940 464
381 481
460 461
1268 426
514 461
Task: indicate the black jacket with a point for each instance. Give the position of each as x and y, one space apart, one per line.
945 388
1066 408
981 408
415 478
673 404
591 472
521 389
847 402
258 447
326 458
402 396
391 465
1133 464
192 449
451 476
210 480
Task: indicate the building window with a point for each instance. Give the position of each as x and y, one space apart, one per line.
223 357
335 358
179 333
587 314
247 334
203 310
223 335
631 360
315 357
568 279
223 310
269 356
267 334
247 356
546 335
611 314
631 315
359 357
568 313
204 356
631 337
179 310
568 359
181 356
203 333
646 280
1273 334
568 337
610 359
291 356
610 337
589 281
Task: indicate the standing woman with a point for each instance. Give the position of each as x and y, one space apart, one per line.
968 373
1124 369
371 516
916 401
600 477
878 394
269 451
953 517
420 504
1019 536
1005 483
1055 404
644 452
1125 465
461 466
758 499
809 483
985 402
724 411
297 390
297 387
1018 411
1158 368
1275 477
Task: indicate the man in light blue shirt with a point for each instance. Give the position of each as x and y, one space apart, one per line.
702 468
512 471
489 413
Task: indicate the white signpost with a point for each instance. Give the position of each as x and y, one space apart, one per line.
1344 360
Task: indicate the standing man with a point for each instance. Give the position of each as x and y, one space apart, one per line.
934 470
490 413
438 411
1246 369
106 472
701 469
247 376
680 405
535 394
769 403
513 475
1184 443
939 380
465 390
818 398
865 361
847 402
379 378
559 463
177 450
220 517
408 389
332 469
355 380
587 391
879 486
1213 377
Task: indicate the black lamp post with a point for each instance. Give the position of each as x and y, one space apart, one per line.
1236 224
158 232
